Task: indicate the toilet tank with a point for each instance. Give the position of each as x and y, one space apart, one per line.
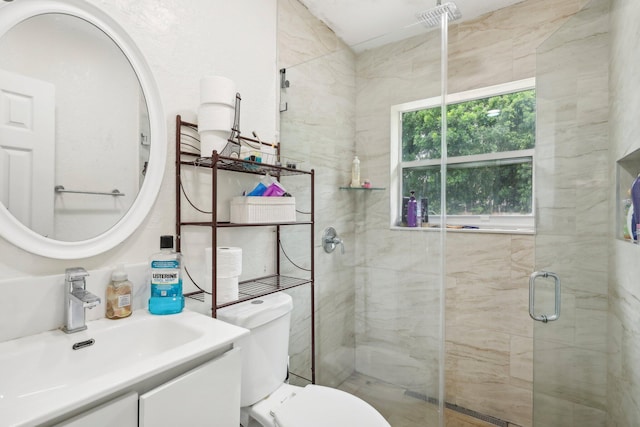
265 350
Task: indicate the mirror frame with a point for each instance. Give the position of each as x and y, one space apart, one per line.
21 236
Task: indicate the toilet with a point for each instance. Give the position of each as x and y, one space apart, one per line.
266 400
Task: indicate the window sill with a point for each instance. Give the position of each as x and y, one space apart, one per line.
483 230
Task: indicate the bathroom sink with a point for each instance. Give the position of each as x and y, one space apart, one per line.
49 374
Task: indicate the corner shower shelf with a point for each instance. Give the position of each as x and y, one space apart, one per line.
362 188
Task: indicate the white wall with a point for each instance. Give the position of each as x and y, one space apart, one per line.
181 42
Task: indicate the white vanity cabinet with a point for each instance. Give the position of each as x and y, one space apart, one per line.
121 411
178 370
208 395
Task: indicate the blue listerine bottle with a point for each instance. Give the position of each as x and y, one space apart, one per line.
412 211
166 280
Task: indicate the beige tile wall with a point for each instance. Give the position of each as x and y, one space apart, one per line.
317 129
489 333
623 389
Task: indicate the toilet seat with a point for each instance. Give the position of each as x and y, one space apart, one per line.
318 406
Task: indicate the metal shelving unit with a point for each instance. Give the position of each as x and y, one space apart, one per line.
256 287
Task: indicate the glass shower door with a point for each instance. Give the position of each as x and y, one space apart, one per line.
572 225
379 311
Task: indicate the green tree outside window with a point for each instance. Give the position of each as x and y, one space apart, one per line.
502 123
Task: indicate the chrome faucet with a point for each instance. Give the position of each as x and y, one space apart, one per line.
76 299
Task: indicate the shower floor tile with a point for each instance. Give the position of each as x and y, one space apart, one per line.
400 409
392 402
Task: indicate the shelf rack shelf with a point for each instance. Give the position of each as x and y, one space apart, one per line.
239 165
255 287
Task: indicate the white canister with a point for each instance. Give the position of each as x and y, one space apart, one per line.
215 117
217 90
213 140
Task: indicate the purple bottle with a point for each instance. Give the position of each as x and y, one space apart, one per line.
635 199
412 211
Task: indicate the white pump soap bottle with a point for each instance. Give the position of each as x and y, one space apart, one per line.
355 173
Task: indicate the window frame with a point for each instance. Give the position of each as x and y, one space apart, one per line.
510 223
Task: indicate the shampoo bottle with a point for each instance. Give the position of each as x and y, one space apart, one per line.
119 296
166 280
412 211
635 201
355 172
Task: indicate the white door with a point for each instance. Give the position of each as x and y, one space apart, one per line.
27 150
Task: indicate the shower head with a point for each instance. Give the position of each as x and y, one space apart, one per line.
431 18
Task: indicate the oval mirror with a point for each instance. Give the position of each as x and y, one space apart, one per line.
82 143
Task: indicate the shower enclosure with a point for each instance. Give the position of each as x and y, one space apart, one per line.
431 326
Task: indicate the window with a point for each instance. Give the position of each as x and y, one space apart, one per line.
490 146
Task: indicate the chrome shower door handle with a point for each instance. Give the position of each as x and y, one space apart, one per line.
532 297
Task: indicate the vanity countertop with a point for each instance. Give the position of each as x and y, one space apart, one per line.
43 377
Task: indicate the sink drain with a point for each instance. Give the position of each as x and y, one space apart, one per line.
83 344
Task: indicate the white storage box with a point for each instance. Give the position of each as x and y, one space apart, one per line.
253 210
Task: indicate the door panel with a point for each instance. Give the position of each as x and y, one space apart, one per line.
207 396
27 150
573 222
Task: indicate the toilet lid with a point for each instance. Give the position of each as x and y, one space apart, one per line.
317 406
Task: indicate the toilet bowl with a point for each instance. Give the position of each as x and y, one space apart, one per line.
266 400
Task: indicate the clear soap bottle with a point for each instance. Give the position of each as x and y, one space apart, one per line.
119 295
355 172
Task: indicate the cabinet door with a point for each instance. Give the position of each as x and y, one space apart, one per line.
121 412
208 395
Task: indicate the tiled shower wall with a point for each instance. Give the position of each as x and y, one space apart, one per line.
623 386
317 129
488 331
489 334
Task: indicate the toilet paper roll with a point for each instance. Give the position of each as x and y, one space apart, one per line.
229 261
215 117
218 90
211 140
226 288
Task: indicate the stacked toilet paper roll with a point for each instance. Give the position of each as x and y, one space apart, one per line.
228 271
216 113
